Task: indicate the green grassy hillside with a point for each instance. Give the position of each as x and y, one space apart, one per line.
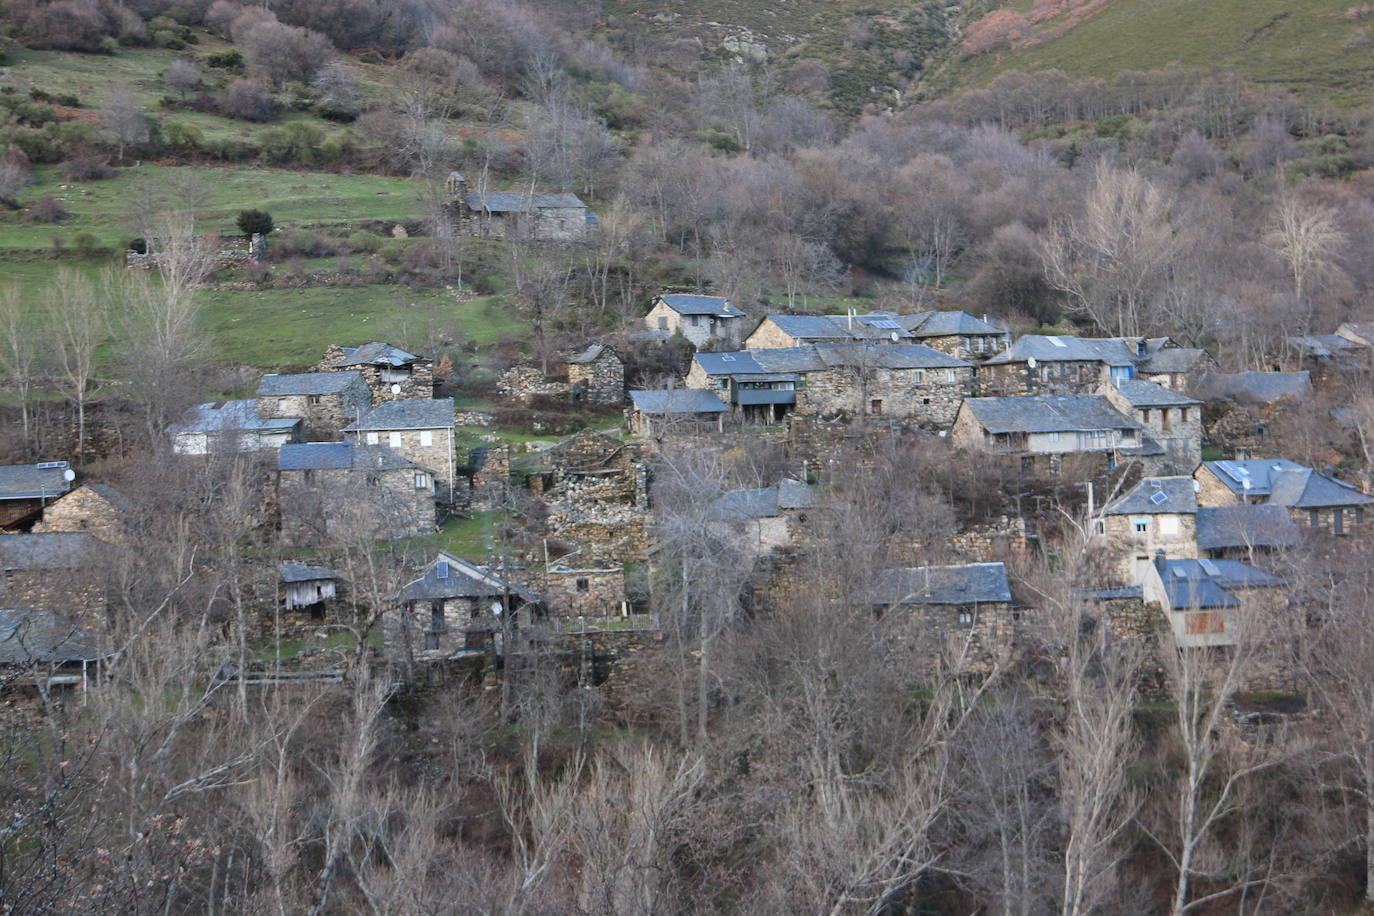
1322 46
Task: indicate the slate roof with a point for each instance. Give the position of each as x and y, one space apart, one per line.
1222 527
686 304
317 456
1159 357
972 583
1173 359
824 356
1324 346
376 353
115 497
1047 413
1207 583
1142 393
296 383
1157 496
591 354
765 502
949 323
300 572
448 576
56 550
874 326
520 202
410 413
1257 387
229 416
29 636
1113 592
677 401
28 481
1286 483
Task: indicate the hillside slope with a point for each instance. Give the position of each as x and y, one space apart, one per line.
1322 46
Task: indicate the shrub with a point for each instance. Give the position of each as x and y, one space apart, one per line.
246 101
364 242
252 222
225 60
47 210
181 137
109 45
87 245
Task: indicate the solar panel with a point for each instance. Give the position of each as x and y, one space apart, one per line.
1057 342
1160 497
1209 567
886 323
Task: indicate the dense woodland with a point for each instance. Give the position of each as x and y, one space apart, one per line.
778 757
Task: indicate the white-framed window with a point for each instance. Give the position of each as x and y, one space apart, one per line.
394 440
951 376
920 376
373 438
422 481
426 437
1168 524
966 618
1054 437
1141 524
980 344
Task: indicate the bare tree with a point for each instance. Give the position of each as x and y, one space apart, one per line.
183 78
80 319
15 176
122 119
1306 238
20 331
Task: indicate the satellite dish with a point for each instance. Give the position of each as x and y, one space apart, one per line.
896 337
1030 361
69 475
395 389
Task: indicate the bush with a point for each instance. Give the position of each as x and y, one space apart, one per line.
184 138
252 222
247 102
364 242
109 45
47 210
225 60
87 245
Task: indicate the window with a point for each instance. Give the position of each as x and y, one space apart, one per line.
1359 515
422 481
1200 624
373 438
1183 415
1054 437
426 437
308 477
966 618
1101 526
1338 521
920 376
1314 518
696 320
394 440
1168 524
951 376
1141 524
875 406
662 323
980 344
583 586
313 399
1145 416
373 480
1164 419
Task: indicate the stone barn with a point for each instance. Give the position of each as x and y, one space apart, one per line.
391 373
597 376
326 402
518 214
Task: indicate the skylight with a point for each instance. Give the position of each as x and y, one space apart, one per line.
1159 498
1057 342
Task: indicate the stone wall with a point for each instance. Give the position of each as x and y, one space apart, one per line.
418 382
601 381
253 249
340 504
83 509
768 336
592 593
438 456
1127 546
1014 379
549 224
1243 431
521 383
1211 491
325 415
491 482
960 346
73 593
927 396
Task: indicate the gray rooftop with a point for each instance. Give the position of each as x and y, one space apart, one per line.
411 413
30 637
1257 387
29 481
1226 527
591 354
301 572
1324 346
1157 496
56 550
677 401
297 383
875 326
867 354
948 324
973 583
448 576
520 202
1207 583
1148 355
1282 482
316 456
687 304
376 353
1047 414
1142 393
765 502
229 416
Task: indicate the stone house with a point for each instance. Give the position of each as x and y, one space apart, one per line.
1243 407
597 376
421 431
703 320
26 489
62 572
231 425
687 411
390 372
1052 426
1159 513
901 381
95 508
1172 419
1244 532
49 646
306 588
957 333
782 331
455 606
962 611
1046 364
1313 498
597 593
1329 351
339 490
1203 599
518 214
766 518
326 402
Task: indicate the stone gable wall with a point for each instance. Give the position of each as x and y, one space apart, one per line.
339 503
418 384
924 396
602 381
83 509
768 336
439 456
74 594
1014 379
603 597
1125 543
324 415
